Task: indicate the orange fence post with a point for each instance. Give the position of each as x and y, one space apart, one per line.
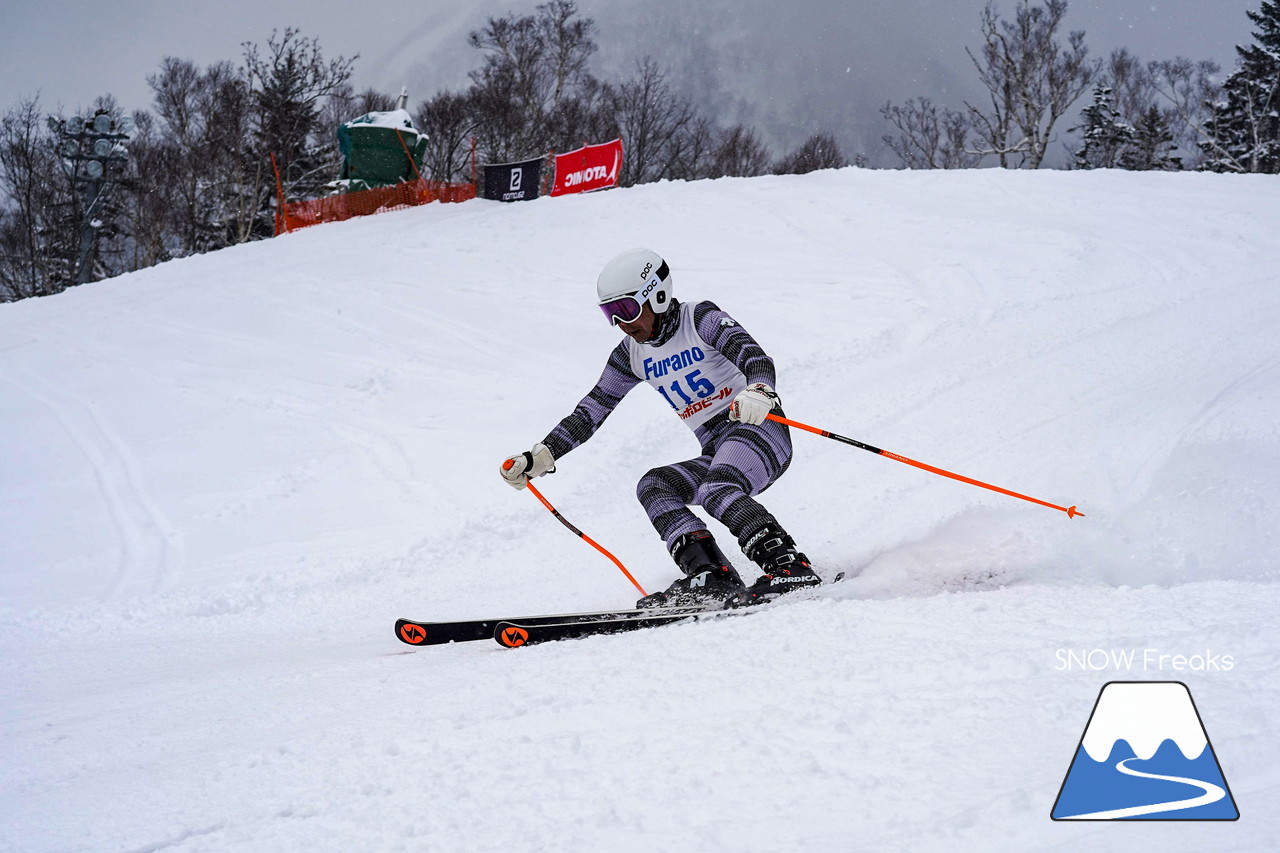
546 173
282 213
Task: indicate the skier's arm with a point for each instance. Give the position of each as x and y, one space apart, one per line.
616 380
735 343
752 404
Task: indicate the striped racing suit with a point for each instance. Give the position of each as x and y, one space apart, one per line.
699 360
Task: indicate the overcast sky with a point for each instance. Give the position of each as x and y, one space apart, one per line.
790 68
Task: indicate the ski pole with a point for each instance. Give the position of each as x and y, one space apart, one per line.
1071 511
584 537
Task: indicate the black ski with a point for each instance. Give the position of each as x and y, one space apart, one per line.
558 626
417 633
514 633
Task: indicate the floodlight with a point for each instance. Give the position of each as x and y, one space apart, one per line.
102 148
75 125
126 125
70 148
102 123
93 168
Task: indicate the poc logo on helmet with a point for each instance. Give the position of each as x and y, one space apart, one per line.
651 283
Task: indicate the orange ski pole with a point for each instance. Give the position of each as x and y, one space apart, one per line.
584 537
1071 511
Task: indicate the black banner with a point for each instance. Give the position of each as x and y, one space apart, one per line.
513 181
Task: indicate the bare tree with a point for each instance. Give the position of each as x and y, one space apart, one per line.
533 77
1031 79
650 116
1190 90
153 210
198 157
37 250
448 120
584 117
1132 89
233 191
369 101
929 137
820 151
569 47
61 226
739 153
689 155
174 153
343 105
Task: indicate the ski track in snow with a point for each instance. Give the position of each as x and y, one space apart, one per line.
150 550
226 476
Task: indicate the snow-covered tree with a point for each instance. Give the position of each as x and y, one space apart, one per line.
289 85
1105 134
1142 113
1244 131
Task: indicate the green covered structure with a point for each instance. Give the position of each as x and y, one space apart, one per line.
376 150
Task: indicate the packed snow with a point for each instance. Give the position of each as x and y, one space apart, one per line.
223 478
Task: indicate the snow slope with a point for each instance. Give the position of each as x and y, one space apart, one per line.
223 478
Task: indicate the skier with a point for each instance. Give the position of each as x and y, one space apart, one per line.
719 381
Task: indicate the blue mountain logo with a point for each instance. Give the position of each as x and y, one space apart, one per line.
1145 755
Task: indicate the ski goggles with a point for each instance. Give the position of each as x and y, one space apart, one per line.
624 309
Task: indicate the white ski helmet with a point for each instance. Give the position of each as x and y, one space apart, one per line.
629 281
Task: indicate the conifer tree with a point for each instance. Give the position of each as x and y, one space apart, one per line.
1151 148
1106 135
1244 131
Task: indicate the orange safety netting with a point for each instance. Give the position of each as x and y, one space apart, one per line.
334 208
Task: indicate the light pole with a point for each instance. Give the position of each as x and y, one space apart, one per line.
93 155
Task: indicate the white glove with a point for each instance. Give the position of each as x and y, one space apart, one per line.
521 468
752 404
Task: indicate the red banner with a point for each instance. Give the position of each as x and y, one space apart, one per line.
592 167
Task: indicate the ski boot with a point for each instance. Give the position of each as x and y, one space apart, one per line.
709 576
785 570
